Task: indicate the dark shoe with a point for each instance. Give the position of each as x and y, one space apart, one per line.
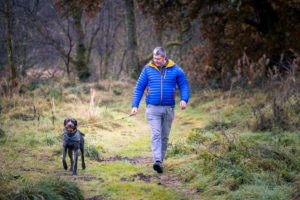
65 164
158 167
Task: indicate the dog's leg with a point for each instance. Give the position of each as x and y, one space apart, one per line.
82 153
70 153
76 159
64 158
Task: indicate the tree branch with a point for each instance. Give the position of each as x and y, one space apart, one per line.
89 49
174 43
51 41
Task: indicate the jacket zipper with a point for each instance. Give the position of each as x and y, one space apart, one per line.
165 73
162 77
161 86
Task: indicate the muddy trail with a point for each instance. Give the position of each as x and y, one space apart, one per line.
166 179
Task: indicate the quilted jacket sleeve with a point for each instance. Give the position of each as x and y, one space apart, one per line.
183 85
140 88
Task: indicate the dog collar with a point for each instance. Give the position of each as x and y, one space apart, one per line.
73 131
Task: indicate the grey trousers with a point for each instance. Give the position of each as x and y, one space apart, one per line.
160 119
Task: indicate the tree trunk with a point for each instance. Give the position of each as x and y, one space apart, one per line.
67 58
132 56
13 75
81 63
105 65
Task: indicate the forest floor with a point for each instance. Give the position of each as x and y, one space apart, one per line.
218 148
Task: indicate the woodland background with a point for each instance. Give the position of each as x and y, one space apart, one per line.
217 43
237 139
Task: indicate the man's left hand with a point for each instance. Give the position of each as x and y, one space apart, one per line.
182 104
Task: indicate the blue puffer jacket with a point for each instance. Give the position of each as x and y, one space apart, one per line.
161 88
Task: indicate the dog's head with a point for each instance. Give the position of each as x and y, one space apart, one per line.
70 125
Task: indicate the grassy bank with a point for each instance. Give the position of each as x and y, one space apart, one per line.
225 145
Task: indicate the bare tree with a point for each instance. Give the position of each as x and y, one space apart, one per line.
76 10
63 32
44 35
132 45
9 47
110 41
67 58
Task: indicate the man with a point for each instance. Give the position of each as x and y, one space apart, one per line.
159 79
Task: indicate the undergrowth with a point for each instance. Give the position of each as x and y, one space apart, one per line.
48 189
247 148
234 165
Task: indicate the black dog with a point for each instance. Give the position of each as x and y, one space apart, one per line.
73 140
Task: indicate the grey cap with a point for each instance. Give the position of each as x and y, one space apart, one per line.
159 51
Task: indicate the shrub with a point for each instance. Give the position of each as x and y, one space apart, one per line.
98 86
271 119
178 148
218 125
188 172
67 189
48 189
34 84
69 84
76 92
198 137
92 152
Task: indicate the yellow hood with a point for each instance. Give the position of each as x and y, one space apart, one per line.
170 64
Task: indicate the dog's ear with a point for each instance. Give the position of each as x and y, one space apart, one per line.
75 122
65 122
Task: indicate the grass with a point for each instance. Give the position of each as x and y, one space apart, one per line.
215 150
49 189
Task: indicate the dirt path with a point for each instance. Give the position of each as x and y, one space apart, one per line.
167 180
115 143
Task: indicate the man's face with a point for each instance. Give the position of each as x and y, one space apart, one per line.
159 61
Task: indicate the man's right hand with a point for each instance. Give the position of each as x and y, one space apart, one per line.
134 111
